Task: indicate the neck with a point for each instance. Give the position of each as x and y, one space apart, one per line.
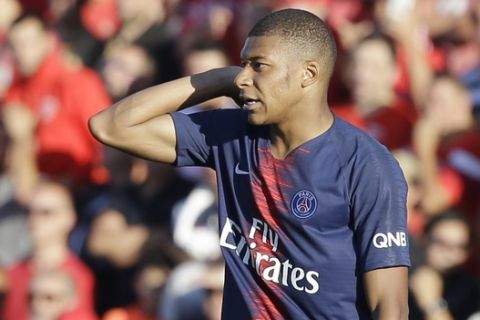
50 256
299 128
381 100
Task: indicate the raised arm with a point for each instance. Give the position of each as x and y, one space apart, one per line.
141 125
386 290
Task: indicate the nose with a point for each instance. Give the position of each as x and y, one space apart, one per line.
243 78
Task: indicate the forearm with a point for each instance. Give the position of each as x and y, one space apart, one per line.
435 197
174 95
387 293
419 70
22 168
163 99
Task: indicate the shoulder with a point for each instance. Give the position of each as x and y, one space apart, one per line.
77 267
20 269
222 121
362 157
352 143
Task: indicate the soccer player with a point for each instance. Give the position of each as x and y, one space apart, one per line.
312 210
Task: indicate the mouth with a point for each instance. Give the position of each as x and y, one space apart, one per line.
249 103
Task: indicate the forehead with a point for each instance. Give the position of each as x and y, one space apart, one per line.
268 47
49 195
27 27
451 230
373 49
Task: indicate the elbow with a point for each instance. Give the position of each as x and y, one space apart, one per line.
95 127
399 312
99 128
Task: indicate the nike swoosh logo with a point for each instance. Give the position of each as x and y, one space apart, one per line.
240 171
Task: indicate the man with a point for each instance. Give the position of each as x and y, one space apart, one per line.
59 95
312 210
376 106
447 141
51 218
441 289
53 295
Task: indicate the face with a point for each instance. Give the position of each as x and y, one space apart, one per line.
270 82
122 68
30 44
50 296
447 105
448 245
11 9
51 215
201 61
374 70
113 239
129 10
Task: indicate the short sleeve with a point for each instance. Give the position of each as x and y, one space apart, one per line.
192 132
378 202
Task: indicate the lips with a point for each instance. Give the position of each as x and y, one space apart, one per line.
249 103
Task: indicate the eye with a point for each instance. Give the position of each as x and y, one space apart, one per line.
243 64
258 66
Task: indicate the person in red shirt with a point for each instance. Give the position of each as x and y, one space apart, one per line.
376 106
51 218
52 294
447 137
61 95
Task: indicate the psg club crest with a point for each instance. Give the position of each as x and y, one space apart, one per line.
303 204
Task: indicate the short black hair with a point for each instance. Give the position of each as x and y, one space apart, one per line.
304 30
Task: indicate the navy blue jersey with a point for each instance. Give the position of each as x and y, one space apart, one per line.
297 234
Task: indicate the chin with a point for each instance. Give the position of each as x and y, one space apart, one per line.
256 120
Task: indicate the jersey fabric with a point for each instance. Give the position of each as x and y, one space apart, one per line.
297 234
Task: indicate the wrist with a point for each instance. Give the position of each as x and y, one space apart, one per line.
225 81
435 306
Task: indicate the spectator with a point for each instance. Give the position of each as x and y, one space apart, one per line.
203 55
118 244
194 291
52 217
149 285
61 96
11 9
143 23
53 295
160 192
376 106
84 26
440 289
447 142
127 69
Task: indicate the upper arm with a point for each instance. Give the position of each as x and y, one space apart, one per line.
386 290
154 139
379 213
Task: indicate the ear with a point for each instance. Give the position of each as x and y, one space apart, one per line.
311 72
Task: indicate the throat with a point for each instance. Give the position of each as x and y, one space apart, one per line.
285 140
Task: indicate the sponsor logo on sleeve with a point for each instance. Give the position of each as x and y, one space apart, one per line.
389 239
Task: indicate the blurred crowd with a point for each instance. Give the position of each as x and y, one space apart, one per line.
89 232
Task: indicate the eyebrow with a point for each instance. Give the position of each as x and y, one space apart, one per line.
254 58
